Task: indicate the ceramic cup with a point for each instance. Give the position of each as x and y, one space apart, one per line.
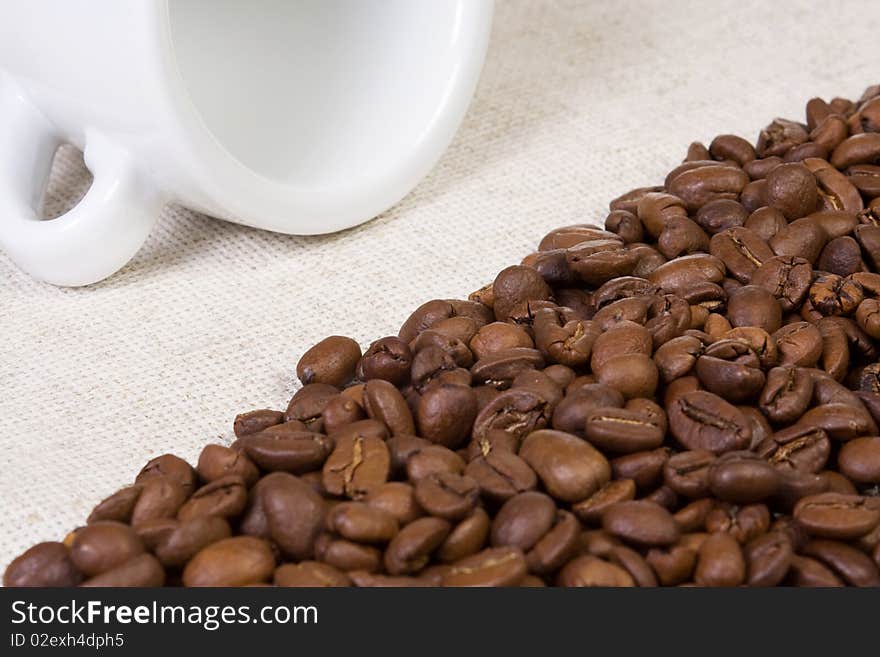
295 116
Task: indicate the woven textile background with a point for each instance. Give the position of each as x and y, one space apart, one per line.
579 101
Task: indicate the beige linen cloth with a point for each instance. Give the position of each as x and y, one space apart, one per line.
578 102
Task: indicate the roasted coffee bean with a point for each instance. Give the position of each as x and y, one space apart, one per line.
500 368
832 515
225 497
362 523
741 250
787 394
625 225
799 344
236 561
188 537
466 538
848 563
589 571
447 495
720 562
161 497
307 404
359 464
396 498
388 358
641 523
384 403
340 412
753 305
556 547
347 555
768 558
517 411
841 256
140 571
621 430
216 462
591 509
118 506
287 448
499 566
742 478
570 468
803 238
433 459
859 460
44 564
805 571
717 216
294 512
791 189
501 474
644 468
799 447
701 420
516 284
255 421
333 360
523 520
834 295
310 574
687 473
411 548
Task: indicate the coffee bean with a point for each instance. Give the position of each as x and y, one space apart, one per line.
359 464
294 513
287 448
800 447
701 420
389 358
859 460
831 515
118 506
309 574
255 421
140 571
332 360
570 468
466 538
44 564
411 548
362 523
188 537
768 558
848 563
501 474
743 478
720 562
225 497
447 494
235 561
641 522
500 566
622 430
589 571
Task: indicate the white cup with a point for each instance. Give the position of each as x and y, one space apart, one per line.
296 116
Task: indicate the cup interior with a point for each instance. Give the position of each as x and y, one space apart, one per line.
316 92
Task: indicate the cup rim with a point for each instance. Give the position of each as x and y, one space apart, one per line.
232 190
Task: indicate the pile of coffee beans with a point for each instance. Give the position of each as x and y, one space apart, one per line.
690 396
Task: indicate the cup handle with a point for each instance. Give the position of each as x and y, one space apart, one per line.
97 236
